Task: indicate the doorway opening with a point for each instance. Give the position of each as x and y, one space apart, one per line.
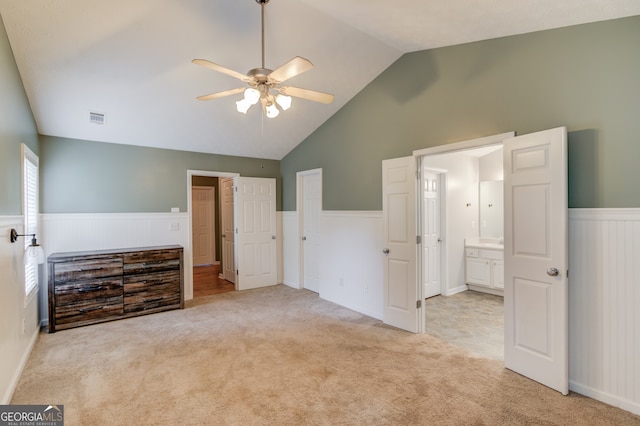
211 213
461 308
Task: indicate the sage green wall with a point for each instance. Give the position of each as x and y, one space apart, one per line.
16 126
78 176
586 77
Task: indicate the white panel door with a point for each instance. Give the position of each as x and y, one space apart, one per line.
228 231
535 257
255 242
203 202
311 209
431 234
401 289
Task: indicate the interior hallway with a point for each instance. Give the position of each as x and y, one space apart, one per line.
207 281
470 320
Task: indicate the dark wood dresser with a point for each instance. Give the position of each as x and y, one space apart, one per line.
105 285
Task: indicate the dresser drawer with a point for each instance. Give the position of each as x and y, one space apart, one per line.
76 291
151 261
88 310
87 268
144 292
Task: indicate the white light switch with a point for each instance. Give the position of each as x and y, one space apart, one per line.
175 209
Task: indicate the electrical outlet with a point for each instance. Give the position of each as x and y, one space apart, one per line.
175 226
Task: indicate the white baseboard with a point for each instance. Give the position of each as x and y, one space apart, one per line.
455 290
605 397
291 284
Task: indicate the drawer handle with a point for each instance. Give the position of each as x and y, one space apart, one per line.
90 269
157 299
84 311
88 289
160 262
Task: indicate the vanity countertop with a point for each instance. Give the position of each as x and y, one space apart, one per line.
487 243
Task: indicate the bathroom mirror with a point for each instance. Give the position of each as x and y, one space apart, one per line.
491 209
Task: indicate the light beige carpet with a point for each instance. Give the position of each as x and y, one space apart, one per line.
282 356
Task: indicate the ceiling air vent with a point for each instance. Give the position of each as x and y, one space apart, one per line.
97 118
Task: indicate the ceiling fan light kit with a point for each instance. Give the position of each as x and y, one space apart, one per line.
264 84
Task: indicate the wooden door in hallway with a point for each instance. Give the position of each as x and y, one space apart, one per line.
203 228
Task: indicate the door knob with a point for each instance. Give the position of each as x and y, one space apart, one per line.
385 251
273 237
223 236
304 238
553 272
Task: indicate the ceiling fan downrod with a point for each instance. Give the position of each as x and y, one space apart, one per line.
262 3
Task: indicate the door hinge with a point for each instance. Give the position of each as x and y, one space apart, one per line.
236 188
418 304
236 230
418 174
418 239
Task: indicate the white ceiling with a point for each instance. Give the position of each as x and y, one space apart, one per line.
132 59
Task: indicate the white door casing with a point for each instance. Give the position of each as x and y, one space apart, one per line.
255 239
311 194
203 229
536 256
401 293
228 231
431 247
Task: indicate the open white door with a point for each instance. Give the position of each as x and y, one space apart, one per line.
228 231
535 257
402 301
255 242
431 241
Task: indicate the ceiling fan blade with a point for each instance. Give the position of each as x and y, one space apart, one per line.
294 67
221 94
311 95
221 69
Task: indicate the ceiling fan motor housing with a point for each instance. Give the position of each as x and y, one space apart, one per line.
260 74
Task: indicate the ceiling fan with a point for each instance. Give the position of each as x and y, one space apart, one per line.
265 84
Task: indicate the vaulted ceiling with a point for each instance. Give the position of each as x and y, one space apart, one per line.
131 60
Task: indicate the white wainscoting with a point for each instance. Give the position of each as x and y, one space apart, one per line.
351 258
101 231
291 249
604 305
604 290
351 261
